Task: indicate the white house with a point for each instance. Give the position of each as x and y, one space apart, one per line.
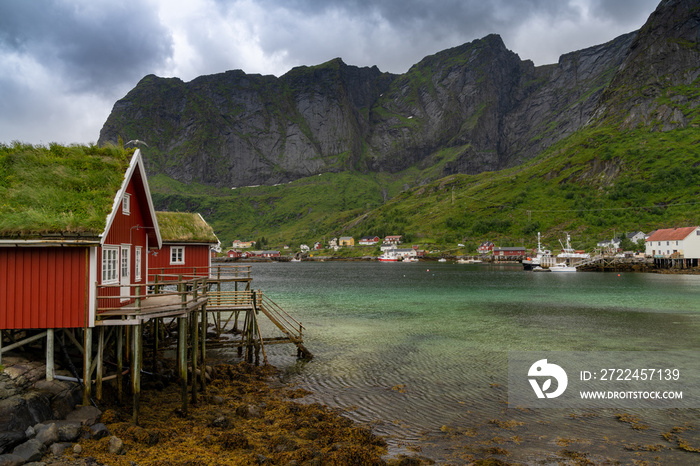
635 236
674 242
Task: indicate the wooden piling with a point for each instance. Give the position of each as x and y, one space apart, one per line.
120 363
204 349
87 360
100 354
49 353
136 358
182 359
195 350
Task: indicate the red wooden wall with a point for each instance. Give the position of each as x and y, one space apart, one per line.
43 287
197 259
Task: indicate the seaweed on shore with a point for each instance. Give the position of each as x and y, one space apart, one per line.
242 420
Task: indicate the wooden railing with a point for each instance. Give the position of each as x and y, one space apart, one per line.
150 300
222 273
286 323
232 300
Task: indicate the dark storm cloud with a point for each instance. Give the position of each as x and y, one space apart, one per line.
91 46
65 62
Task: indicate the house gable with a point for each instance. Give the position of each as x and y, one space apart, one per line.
135 186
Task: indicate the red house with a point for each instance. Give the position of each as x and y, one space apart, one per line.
369 240
82 218
509 252
187 244
485 247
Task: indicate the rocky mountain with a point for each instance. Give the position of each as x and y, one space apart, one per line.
473 108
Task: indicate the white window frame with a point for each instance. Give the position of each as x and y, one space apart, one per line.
125 271
110 265
126 204
137 263
177 255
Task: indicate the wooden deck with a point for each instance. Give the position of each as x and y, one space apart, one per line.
150 307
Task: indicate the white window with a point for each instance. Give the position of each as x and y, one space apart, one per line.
126 204
177 254
137 265
125 263
109 264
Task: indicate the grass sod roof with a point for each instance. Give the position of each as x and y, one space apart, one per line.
58 190
184 227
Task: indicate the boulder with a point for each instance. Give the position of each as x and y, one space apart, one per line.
87 415
31 450
10 439
116 446
47 433
11 460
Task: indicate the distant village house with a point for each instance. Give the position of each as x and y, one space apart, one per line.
485 247
346 241
674 243
369 240
392 239
507 252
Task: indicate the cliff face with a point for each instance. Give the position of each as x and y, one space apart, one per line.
491 109
657 85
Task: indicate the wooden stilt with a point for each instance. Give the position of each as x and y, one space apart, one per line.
182 359
100 354
49 354
120 363
136 358
156 329
204 349
87 359
195 351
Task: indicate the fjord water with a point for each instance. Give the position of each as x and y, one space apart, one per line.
420 351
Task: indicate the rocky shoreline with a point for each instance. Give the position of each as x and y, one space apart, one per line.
245 418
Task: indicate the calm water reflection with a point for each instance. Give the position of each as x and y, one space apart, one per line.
420 351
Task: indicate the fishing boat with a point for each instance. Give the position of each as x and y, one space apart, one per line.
530 263
442 259
468 261
562 267
389 256
567 252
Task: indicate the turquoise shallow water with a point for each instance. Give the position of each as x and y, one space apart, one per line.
420 351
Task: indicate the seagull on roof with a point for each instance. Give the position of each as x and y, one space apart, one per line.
136 142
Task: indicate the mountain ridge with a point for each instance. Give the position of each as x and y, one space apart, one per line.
480 99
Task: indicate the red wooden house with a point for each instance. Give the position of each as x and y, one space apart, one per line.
187 244
90 222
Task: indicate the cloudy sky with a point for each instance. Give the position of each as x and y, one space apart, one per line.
64 63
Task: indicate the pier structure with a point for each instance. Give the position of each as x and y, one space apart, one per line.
105 281
180 312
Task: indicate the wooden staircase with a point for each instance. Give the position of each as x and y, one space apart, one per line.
252 303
